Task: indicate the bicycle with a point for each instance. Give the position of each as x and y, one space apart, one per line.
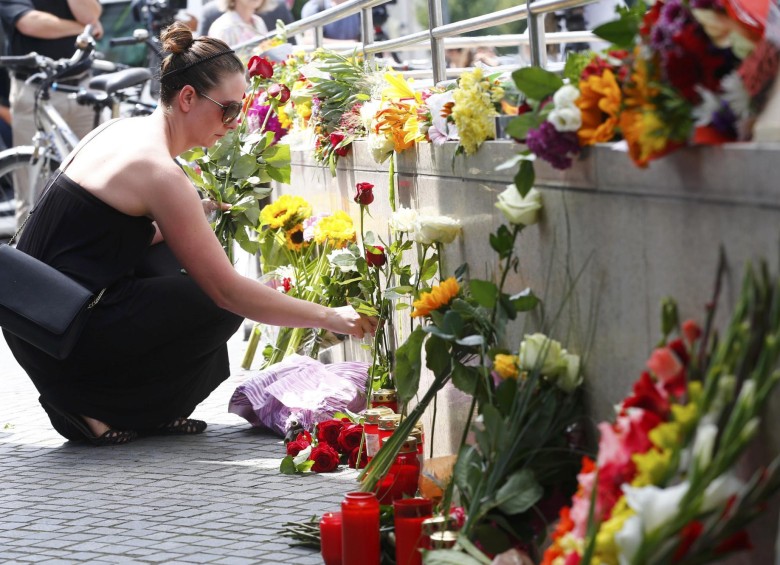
34 163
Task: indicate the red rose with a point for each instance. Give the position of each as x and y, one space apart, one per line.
260 66
349 438
335 139
328 432
365 193
325 458
295 447
279 91
375 256
353 458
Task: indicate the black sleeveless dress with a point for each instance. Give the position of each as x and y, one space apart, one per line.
154 346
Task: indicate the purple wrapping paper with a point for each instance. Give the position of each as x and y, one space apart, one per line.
302 389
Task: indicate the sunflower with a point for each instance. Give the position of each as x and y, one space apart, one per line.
599 103
285 212
439 296
293 238
337 229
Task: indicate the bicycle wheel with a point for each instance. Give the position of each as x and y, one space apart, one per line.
18 165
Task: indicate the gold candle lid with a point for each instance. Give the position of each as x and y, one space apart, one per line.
389 422
372 415
384 395
443 540
437 524
409 446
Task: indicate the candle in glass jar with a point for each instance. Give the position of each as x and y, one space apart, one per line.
403 477
385 397
371 429
330 538
360 529
409 514
387 425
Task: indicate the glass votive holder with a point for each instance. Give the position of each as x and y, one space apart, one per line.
409 514
330 538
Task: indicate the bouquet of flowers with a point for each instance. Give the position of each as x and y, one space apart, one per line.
663 487
335 442
238 168
681 72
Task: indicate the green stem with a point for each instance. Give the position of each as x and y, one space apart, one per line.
251 348
391 182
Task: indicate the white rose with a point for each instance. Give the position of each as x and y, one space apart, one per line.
539 352
435 229
565 96
381 147
368 112
403 220
565 119
520 209
571 377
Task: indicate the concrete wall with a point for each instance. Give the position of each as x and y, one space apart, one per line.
632 236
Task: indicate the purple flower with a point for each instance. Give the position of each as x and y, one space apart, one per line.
256 116
725 121
555 147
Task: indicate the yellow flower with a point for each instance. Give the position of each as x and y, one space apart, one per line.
438 296
666 435
651 466
506 366
599 99
285 212
293 238
474 112
687 416
337 229
283 113
398 123
400 90
606 548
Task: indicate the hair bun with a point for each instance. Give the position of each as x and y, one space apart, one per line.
176 38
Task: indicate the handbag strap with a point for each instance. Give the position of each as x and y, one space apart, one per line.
60 170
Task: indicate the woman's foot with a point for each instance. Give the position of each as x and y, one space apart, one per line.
102 434
181 426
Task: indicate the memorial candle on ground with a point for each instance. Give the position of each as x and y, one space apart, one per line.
409 514
330 538
360 529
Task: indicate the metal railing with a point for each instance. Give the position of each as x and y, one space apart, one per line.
440 36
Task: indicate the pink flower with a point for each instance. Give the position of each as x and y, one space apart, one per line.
664 364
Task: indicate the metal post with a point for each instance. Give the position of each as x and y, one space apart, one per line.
318 37
536 37
437 48
367 31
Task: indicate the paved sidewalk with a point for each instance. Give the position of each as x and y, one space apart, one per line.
213 498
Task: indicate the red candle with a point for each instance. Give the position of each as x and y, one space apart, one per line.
360 529
384 397
403 476
409 516
330 538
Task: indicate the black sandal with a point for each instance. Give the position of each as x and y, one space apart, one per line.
182 426
74 428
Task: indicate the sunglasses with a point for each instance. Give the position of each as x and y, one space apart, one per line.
229 112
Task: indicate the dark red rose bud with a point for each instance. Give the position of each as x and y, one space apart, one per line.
260 67
335 139
284 95
375 257
365 193
279 91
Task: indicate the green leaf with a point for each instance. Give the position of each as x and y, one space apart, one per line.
467 472
437 355
464 378
618 32
505 395
519 493
518 127
525 177
536 83
452 323
484 292
433 329
287 466
408 365
471 340
305 467
245 166
502 241
429 269
277 155
494 428
281 175
524 301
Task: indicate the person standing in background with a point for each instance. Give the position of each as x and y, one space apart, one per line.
50 28
270 11
239 23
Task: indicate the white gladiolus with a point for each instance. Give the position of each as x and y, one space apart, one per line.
565 119
704 443
720 490
628 539
520 209
435 229
655 506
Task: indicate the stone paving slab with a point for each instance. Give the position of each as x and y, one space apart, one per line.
217 498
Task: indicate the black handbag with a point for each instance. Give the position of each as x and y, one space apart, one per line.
38 303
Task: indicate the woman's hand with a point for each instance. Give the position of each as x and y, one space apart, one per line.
344 320
210 206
